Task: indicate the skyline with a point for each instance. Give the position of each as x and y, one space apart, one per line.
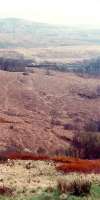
61 12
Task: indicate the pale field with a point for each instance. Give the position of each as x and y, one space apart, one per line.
59 54
65 54
40 176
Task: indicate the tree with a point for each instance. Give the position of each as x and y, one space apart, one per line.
87 145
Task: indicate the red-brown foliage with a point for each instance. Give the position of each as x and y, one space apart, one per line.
85 166
25 156
69 164
64 159
62 163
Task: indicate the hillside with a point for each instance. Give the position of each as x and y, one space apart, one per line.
40 112
41 106
24 43
15 33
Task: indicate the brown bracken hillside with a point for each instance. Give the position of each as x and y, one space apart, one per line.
40 111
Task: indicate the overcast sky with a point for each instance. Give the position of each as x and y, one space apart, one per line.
67 12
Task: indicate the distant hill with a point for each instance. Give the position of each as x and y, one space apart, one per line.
22 33
25 43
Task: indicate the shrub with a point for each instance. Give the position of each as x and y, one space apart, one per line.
28 165
48 72
3 159
6 191
59 152
78 187
11 127
62 186
41 151
93 126
25 73
69 127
